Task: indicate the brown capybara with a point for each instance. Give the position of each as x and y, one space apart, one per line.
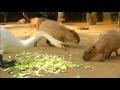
39 22
33 22
59 32
106 43
21 21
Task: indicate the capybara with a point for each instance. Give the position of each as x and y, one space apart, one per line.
39 22
33 22
21 21
106 43
59 32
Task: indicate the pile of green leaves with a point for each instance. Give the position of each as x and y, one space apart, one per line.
38 64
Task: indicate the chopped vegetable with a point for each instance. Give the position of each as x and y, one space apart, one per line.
38 64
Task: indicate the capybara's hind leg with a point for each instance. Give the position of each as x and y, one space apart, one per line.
35 45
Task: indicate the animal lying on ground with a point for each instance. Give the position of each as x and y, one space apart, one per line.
59 32
33 22
106 43
21 21
10 44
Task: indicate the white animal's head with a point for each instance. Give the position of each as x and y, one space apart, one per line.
52 40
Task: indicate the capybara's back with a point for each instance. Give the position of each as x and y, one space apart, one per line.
106 43
21 21
40 21
59 32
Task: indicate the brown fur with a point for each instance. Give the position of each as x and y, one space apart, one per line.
21 21
33 22
106 43
39 22
59 32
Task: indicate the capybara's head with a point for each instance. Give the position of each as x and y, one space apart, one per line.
89 53
72 36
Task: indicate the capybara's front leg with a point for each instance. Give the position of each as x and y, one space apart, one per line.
105 56
108 54
48 42
117 54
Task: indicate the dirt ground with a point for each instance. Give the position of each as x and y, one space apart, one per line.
96 69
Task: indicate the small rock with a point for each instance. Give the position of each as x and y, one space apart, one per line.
70 55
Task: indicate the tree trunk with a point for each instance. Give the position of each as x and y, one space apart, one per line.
91 18
61 17
84 16
119 19
5 18
26 17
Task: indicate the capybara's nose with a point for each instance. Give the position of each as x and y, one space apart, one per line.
85 58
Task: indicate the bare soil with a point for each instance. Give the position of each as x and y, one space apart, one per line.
88 69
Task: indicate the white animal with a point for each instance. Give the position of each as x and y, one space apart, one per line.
10 44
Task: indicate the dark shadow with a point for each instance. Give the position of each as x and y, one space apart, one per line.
99 60
10 64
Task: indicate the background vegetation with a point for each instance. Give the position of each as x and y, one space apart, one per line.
69 16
